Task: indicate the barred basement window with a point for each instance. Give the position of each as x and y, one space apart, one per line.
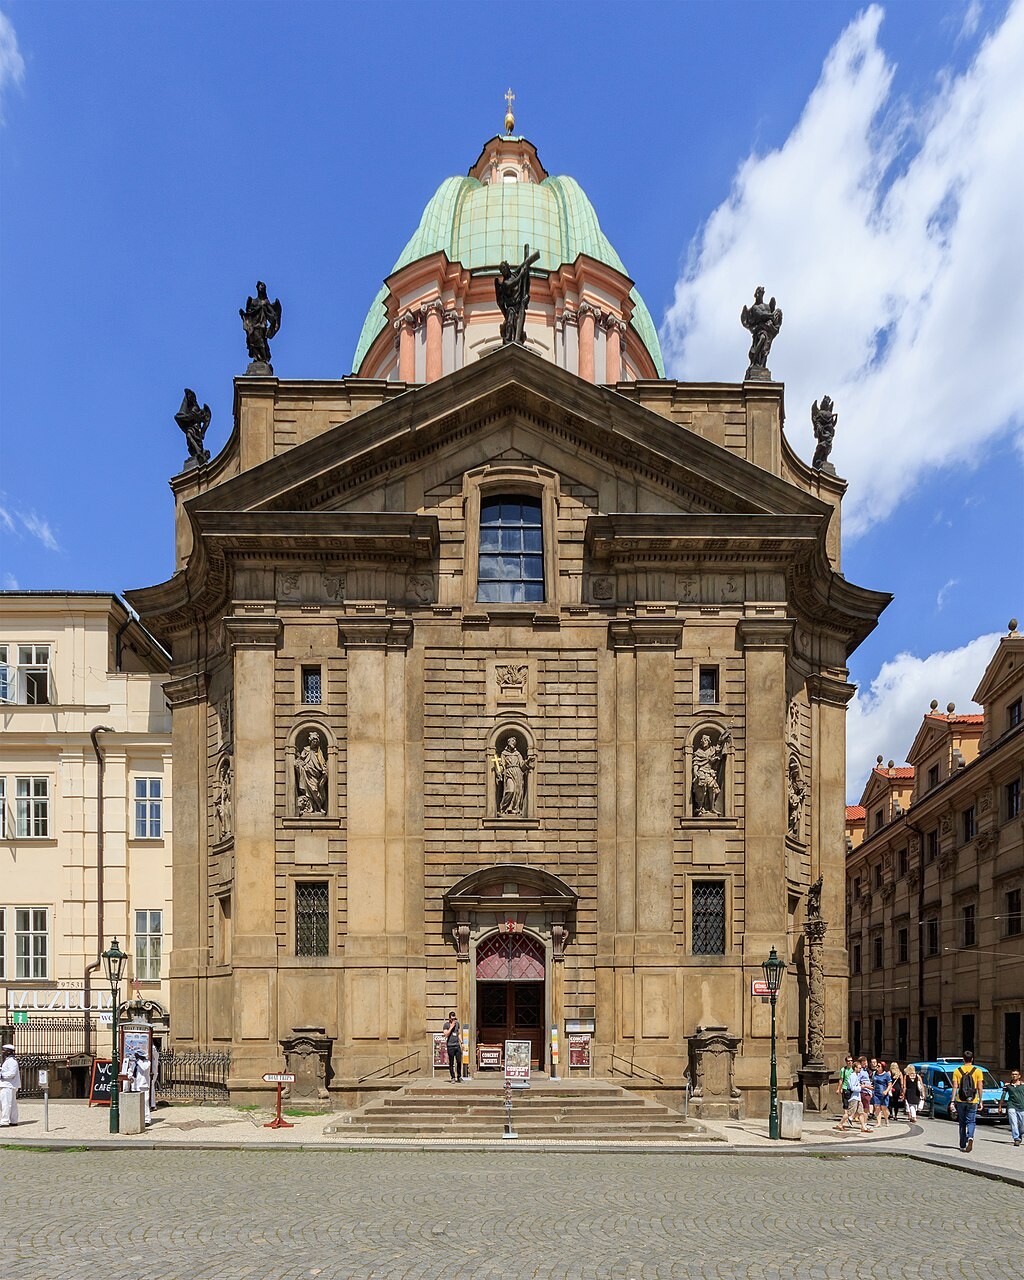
312 918
708 918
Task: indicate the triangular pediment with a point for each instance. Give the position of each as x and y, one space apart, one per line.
933 733
1004 675
511 404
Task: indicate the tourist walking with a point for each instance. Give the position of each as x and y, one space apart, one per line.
881 1088
896 1092
1013 1096
847 1083
452 1033
854 1077
913 1092
967 1099
864 1085
10 1083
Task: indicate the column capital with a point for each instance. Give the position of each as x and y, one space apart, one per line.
765 633
182 691
645 633
260 631
834 690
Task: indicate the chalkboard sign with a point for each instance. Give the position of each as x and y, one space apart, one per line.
100 1082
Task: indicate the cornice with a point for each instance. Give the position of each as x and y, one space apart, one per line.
375 633
183 691
765 633
260 631
834 691
645 633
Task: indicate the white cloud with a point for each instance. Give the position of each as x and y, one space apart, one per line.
10 582
12 64
7 520
884 719
944 591
891 237
972 17
39 528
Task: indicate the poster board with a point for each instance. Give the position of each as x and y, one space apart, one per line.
517 1061
579 1052
100 1081
440 1052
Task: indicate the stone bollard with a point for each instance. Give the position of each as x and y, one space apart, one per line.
132 1115
791 1120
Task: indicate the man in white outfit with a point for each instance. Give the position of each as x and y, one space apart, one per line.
10 1083
142 1078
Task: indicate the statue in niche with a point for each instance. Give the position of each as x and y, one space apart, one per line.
796 789
814 900
194 420
511 769
708 787
310 775
261 320
764 320
824 421
222 800
512 290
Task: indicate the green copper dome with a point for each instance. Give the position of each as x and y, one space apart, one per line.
478 224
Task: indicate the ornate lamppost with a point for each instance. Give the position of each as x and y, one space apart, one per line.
114 961
773 969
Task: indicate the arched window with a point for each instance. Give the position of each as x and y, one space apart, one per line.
511 550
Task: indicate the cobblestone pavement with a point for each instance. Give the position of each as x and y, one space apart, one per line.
289 1215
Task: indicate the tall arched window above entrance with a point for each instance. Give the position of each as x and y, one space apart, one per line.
511 566
510 957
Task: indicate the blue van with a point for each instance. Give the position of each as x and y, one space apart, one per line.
938 1079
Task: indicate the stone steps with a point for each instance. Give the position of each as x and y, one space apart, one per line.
548 1110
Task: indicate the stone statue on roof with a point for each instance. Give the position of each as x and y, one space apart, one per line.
824 420
512 290
261 319
194 420
764 320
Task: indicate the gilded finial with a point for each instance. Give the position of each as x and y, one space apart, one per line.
510 120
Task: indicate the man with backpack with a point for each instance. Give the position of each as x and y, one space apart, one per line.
967 1099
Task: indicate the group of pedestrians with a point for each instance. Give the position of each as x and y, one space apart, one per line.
873 1092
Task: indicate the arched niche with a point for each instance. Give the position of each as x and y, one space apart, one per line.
311 774
708 772
512 773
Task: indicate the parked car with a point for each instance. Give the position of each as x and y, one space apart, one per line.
938 1079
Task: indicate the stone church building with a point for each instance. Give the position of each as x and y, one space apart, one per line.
507 678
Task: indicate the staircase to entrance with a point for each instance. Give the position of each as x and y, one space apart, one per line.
548 1110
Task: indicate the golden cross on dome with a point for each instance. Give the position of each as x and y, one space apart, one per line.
510 120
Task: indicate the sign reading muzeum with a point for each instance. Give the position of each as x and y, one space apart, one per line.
509 677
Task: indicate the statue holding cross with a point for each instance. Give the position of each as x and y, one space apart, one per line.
512 289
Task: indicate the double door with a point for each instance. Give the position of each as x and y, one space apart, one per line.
512 1011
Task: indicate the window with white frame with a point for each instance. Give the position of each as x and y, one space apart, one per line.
148 945
148 808
511 549
25 674
32 808
31 942
3 808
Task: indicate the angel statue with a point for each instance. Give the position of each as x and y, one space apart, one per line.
764 322
512 289
194 421
261 319
824 421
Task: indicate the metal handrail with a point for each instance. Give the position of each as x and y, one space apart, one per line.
634 1070
391 1067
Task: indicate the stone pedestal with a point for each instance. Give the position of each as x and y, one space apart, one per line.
131 1112
791 1121
307 1055
712 1064
814 1088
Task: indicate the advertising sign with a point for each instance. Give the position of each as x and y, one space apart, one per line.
579 1051
440 1051
517 1061
133 1040
279 1077
758 987
100 1082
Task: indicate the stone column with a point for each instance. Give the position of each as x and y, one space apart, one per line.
254 641
189 955
765 643
815 1073
613 359
587 315
433 311
407 348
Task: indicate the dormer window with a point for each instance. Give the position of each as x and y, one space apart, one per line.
933 776
1015 713
511 550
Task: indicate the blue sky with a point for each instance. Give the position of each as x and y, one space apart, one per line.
864 162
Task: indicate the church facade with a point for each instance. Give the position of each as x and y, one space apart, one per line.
508 677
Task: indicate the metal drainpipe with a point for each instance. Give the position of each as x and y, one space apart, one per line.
91 968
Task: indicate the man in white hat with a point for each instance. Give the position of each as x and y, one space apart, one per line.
141 1075
10 1083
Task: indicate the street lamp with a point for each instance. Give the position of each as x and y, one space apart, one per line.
114 961
773 969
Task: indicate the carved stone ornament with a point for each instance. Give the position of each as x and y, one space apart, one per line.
311 774
763 320
603 587
421 588
823 419
512 764
307 1055
888 891
712 1054
512 291
711 746
913 878
511 678
796 791
946 860
194 421
985 801
460 937
946 824
986 842
222 802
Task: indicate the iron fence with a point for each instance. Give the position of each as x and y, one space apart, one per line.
193 1075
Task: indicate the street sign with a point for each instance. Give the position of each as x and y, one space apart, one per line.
279 1077
758 987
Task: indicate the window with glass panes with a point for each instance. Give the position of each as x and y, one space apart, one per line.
148 808
32 808
969 918
708 918
511 568
149 938
3 943
1013 913
3 808
708 691
312 918
311 690
31 942
27 680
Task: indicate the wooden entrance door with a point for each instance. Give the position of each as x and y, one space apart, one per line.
510 992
